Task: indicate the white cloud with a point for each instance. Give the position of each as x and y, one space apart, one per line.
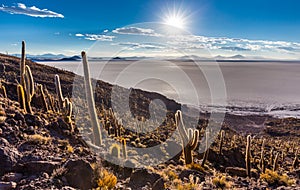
136 31
79 35
30 11
94 37
133 46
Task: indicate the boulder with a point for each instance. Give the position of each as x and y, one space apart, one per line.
142 177
79 174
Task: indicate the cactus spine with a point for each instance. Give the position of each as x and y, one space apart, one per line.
189 143
222 135
205 156
248 156
91 102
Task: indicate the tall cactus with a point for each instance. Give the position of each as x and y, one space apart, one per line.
59 91
189 141
91 102
26 80
22 65
248 156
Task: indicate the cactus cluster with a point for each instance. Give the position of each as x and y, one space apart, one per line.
27 83
189 140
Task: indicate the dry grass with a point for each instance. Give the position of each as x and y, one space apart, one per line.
275 179
106 180
221 182
38 139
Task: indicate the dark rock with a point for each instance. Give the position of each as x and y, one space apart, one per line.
15 177
141 177
7 185
185 174
33 120
79 174
34 167
236 171
159 184
8 158
19 117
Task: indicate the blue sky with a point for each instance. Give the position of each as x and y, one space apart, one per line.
252 28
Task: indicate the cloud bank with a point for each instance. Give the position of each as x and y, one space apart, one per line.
30 11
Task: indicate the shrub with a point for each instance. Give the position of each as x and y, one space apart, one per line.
220 182
106 180
274 179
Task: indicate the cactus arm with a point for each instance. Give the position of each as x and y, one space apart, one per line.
91 102
21 97
194 143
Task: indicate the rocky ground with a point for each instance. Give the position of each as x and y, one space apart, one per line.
43 150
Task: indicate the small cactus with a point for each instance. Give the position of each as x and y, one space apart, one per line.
233 141
3 90
21 97
271 156
222 135
275 165
124 148
91 102
296 161
115 150
262 156
43 97
248 156
205 156
189 141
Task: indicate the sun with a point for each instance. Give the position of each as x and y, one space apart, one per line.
175 21
175 17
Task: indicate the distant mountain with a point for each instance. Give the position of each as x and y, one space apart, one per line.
192 57
237 57
43 56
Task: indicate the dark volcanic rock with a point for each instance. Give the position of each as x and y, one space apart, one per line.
79 174
142 177
8 157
